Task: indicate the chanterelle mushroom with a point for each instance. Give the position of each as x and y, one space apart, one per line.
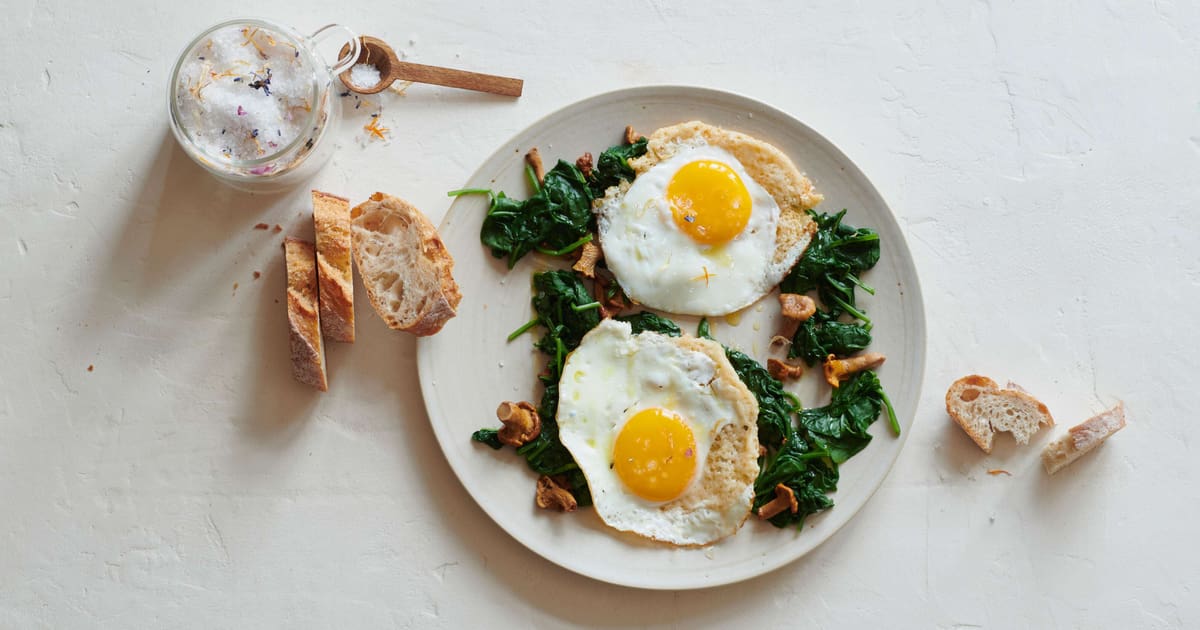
589 255
784 499
783 371
796 306
584 164
521 423
534 159
608 293
837 369
551 496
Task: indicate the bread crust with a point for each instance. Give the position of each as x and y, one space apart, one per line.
425 287
304 325
331 218
1083 438
981 430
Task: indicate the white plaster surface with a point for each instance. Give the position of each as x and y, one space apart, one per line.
1043 158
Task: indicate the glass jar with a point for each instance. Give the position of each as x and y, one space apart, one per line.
250 101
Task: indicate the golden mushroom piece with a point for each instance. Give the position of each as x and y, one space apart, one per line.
784 371
589 255
521 423
551 496
796 307
837 369
784 499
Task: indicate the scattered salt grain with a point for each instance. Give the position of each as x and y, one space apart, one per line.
365 75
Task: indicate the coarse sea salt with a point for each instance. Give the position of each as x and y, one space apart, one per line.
245 93
365 75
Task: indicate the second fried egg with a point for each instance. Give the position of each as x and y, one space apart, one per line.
664 431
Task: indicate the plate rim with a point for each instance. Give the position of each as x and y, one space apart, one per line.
913 290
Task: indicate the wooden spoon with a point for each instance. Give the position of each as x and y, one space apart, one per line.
376 52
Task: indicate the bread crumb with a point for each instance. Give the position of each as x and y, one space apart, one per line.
257 275
91 368
235 286
261 226
999 471
277 229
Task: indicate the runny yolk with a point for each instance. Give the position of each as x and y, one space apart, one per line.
709 201
655 454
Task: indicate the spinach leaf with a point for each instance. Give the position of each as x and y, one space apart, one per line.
568 213
810 473
645 320
804 447
489 437
555 220
841 426
565 308
546 454
791 458
775 406
822 335
507 229
613 166
830 265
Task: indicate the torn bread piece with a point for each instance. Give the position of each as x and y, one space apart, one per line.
981 407
404 265
331 218
308 352
1083 438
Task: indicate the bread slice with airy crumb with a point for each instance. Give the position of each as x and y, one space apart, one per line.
405 267
331 218
981 407
308 353
1083 438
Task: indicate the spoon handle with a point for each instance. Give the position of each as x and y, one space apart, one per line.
449 77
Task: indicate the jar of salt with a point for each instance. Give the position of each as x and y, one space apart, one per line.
251 100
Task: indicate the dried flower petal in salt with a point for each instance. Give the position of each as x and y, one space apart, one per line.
217 110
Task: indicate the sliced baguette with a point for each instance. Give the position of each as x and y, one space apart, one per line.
1083 438
331 217
981 407
404 265
308 353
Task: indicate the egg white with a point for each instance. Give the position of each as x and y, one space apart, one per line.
613 375
661 267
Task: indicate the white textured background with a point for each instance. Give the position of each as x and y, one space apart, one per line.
1044 159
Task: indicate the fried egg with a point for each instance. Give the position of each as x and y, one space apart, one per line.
712 222
664 431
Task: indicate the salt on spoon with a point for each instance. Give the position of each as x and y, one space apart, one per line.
364 75
378 61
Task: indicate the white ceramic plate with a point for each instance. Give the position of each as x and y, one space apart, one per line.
469 368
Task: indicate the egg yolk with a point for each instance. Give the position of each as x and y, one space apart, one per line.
655 454
709 201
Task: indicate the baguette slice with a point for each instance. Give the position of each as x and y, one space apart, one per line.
331 217
404 265
981 408
308 353
1083 438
